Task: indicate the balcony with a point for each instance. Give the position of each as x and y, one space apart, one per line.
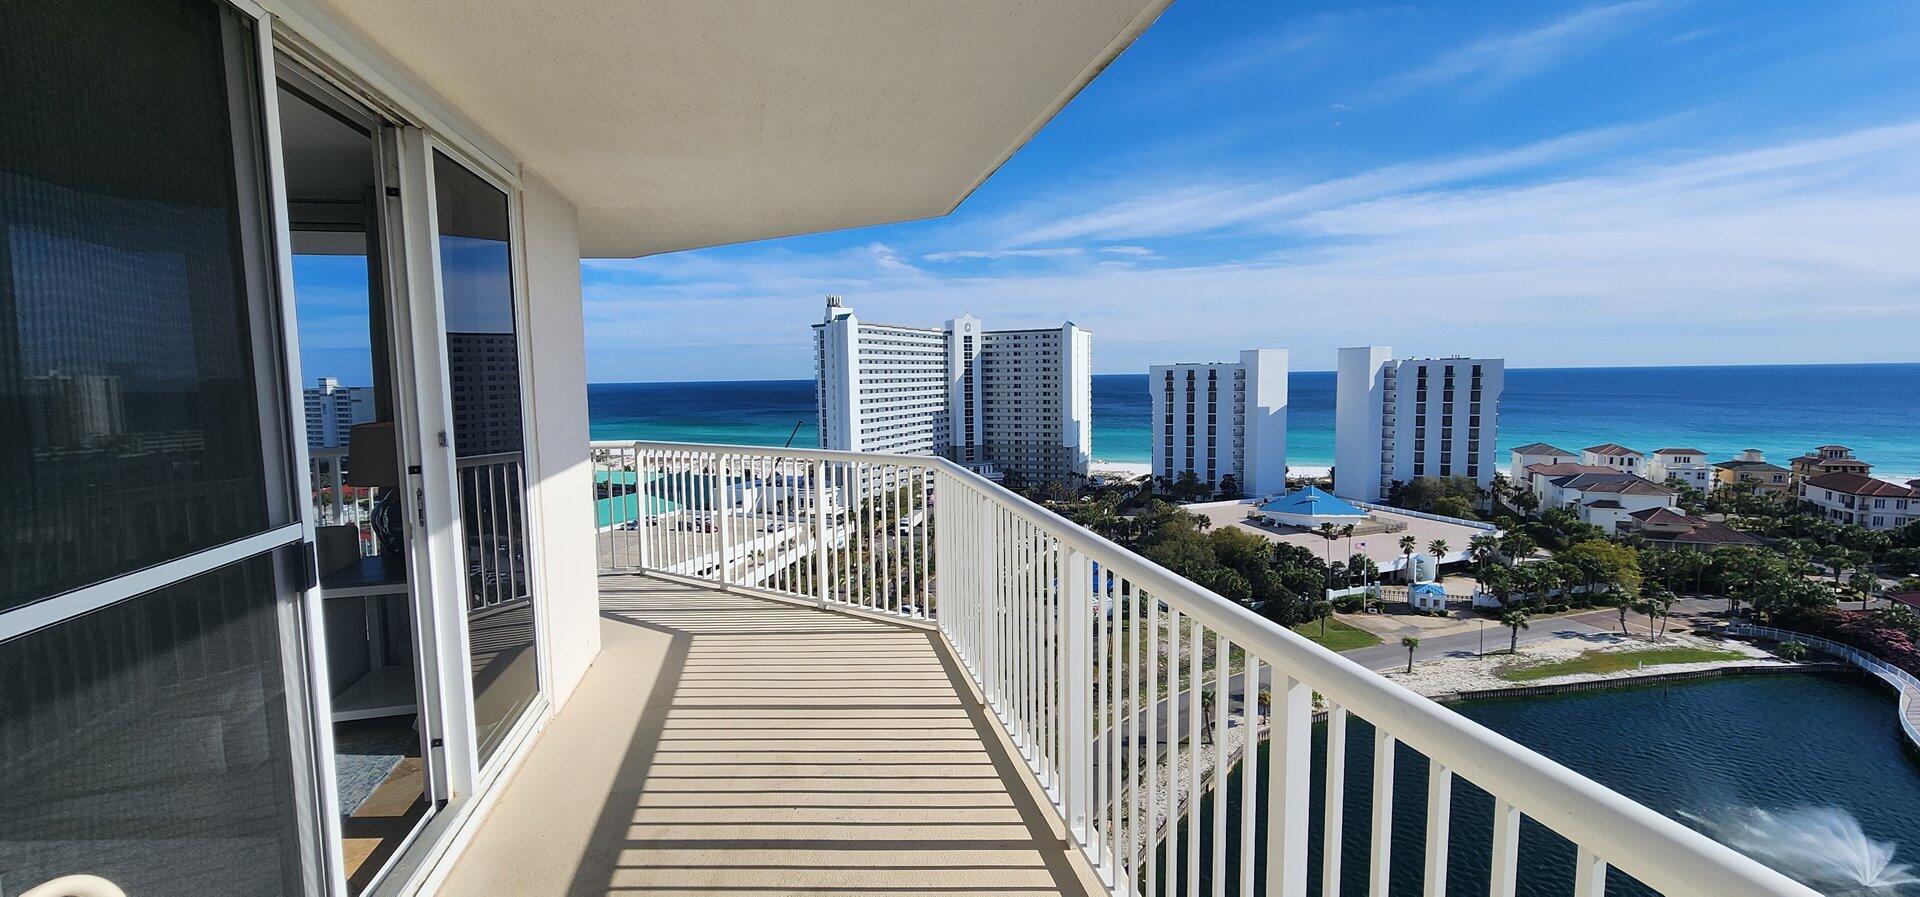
732 744
837 672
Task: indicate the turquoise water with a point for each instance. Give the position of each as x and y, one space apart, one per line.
1783 410
1800 750
624 506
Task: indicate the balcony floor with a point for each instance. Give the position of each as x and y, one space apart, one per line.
730 745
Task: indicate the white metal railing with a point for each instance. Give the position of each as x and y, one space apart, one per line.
1907 684
835 527
1087 654
494 519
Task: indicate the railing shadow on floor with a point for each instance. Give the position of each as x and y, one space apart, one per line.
793 750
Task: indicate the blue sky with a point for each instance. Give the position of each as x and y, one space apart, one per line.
1642 182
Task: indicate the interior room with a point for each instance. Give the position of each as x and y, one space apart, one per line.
346 339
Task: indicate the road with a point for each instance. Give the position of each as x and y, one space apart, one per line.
1687 613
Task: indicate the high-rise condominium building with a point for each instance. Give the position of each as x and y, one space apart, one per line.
332 410
1411 418
1221 420
1019 401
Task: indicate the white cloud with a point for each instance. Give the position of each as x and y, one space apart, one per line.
885 257
1797 251
1507 57
1126 212
991 254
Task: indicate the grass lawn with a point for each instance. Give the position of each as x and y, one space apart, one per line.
1614 661
1340 636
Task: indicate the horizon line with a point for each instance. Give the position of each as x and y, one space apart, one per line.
1574 367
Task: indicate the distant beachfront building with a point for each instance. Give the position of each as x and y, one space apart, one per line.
1536 453
1615 456
1412 418
1750 470
1862 500
1688 465
332 410
1601 496
1665 527
1538 478
1827 459
1223 419
1011 401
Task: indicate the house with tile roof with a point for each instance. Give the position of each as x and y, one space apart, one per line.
1827 459
1604 497
1615 456
1688 465
1668 528
1535 478
1862 500
1536 453
1752 471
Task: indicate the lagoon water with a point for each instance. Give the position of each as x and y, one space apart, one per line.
1808 773
1783 410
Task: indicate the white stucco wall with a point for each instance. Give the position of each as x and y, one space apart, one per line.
1356 422
560 476
1266 421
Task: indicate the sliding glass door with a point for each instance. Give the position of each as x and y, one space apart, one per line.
483 375
152 709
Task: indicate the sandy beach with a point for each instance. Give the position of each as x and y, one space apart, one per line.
1140 469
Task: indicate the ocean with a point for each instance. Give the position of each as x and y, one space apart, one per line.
1783 410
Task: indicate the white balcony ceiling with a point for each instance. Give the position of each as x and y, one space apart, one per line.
681 123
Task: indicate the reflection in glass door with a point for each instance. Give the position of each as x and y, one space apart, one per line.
152 703
483 360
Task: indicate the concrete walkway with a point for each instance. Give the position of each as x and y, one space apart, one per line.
725 745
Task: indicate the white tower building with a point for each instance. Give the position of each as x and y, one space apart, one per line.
1411 418
332 410
1223 419
1014 401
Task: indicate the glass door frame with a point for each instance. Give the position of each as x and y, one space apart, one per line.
413 132
498 177
433 481
423 400
438 712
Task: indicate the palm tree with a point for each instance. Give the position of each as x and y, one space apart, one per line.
1485 546
1438 548
1407 544
1347 531
1321 609
1515 620
1328 534
1862 584
1623 603
1363 567
1409 642
1657 603
1499 582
